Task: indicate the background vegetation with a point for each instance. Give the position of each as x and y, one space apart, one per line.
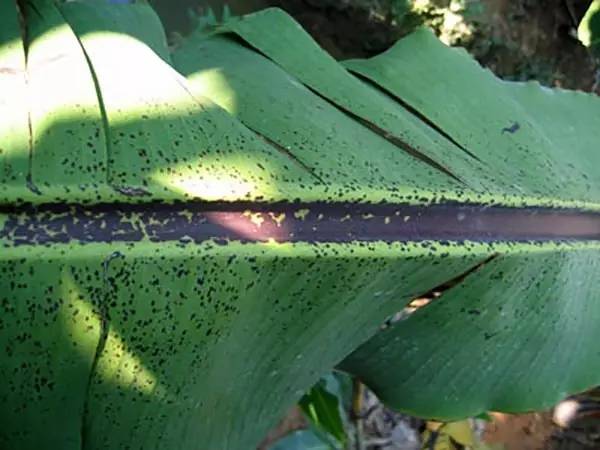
518 40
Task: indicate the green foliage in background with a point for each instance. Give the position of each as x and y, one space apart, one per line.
589 28
324 410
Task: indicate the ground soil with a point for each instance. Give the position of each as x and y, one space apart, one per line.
535 40
521 432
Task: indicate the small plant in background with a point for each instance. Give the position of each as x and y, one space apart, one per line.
343 414
588 30
588 33
201 19
325 406
205 17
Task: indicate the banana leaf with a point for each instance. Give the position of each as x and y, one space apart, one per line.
191 237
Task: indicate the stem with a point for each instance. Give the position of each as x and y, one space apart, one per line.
357 401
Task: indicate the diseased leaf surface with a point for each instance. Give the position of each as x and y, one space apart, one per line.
121 331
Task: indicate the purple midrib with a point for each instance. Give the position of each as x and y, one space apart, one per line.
293 222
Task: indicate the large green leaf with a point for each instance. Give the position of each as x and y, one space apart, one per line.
519 334
183 256
485 125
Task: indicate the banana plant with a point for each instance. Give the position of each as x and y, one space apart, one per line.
190 237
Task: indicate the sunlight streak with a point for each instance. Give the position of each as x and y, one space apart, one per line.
117 364
212 81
